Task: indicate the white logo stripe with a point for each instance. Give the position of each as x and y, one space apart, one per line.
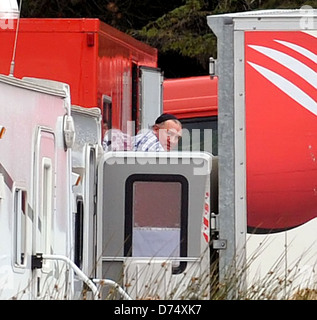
288 87
289 62
305 52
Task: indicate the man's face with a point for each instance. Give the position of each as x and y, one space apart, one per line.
168 133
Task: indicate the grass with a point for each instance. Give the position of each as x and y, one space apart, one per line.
159 285
272 275
152 279
273 286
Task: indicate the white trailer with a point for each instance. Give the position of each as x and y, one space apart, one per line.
266 67
47 242
35 188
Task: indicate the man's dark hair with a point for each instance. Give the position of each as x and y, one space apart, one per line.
164 117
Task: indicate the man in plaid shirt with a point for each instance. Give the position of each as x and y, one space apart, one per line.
163 136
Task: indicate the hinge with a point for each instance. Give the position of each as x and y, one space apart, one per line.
216 243
37 261
219 244
212 67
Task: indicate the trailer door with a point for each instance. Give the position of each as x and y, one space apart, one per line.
44 190
153 211
151 84
90 211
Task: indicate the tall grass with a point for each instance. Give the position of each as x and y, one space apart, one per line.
283 280
152 279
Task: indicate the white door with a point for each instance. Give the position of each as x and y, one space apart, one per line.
151 83
153 236
90 212
44 193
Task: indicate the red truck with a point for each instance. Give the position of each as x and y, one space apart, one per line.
103 66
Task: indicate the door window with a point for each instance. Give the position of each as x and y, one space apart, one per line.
156 216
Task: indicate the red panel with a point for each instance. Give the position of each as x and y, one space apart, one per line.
92 57
191 97
55 50
281 128
117 53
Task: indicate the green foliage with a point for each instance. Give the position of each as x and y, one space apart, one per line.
121 14
183 30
